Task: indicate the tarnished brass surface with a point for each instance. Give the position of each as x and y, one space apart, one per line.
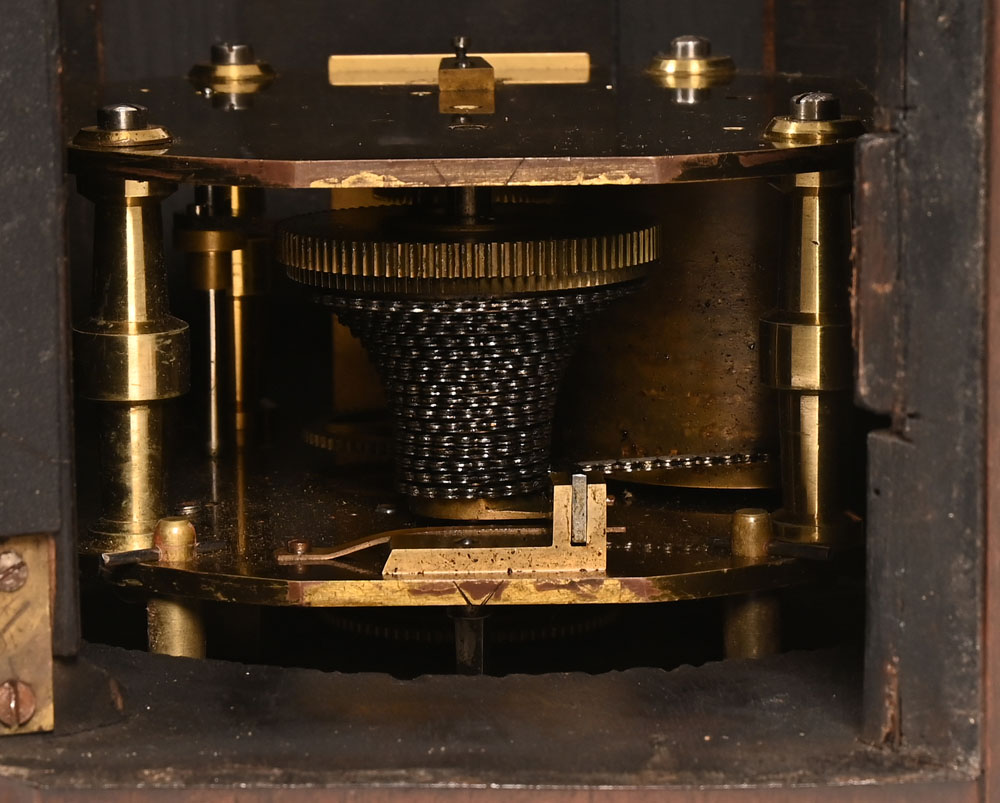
806 357
130 356
415 69
673 369
392 250
307 135
26 628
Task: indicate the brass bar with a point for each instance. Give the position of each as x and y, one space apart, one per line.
131 356
422 68
806 350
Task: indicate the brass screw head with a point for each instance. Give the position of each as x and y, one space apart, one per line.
175 537
691 47
17 703
818 106
299 546
13 571
122 117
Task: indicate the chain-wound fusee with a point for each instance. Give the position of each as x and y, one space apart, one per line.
472 384
470 318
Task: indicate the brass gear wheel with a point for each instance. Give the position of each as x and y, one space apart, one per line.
384 250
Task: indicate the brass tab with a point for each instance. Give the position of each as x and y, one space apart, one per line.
26 624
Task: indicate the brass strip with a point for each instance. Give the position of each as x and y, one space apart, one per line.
421 69
26 625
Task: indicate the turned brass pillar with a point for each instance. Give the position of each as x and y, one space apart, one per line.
806 341
132 356
174 625
753 621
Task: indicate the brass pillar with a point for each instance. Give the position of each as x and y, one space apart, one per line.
131 356
806 342
174 625
752 626
806 357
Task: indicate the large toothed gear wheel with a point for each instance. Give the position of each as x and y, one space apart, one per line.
516 251
470 326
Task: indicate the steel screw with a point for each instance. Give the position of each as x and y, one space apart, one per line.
299 546
122 117
816 106
691 47
13 571
17 703
461 45
226 53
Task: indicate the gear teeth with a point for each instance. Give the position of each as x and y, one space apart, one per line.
353 251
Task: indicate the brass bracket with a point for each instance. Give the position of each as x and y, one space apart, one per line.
26 701
577 542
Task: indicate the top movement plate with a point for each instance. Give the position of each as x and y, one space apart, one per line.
613 130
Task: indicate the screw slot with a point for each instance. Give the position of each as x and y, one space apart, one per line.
17 703
13 571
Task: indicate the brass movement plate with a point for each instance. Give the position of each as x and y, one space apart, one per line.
615 129
665 553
